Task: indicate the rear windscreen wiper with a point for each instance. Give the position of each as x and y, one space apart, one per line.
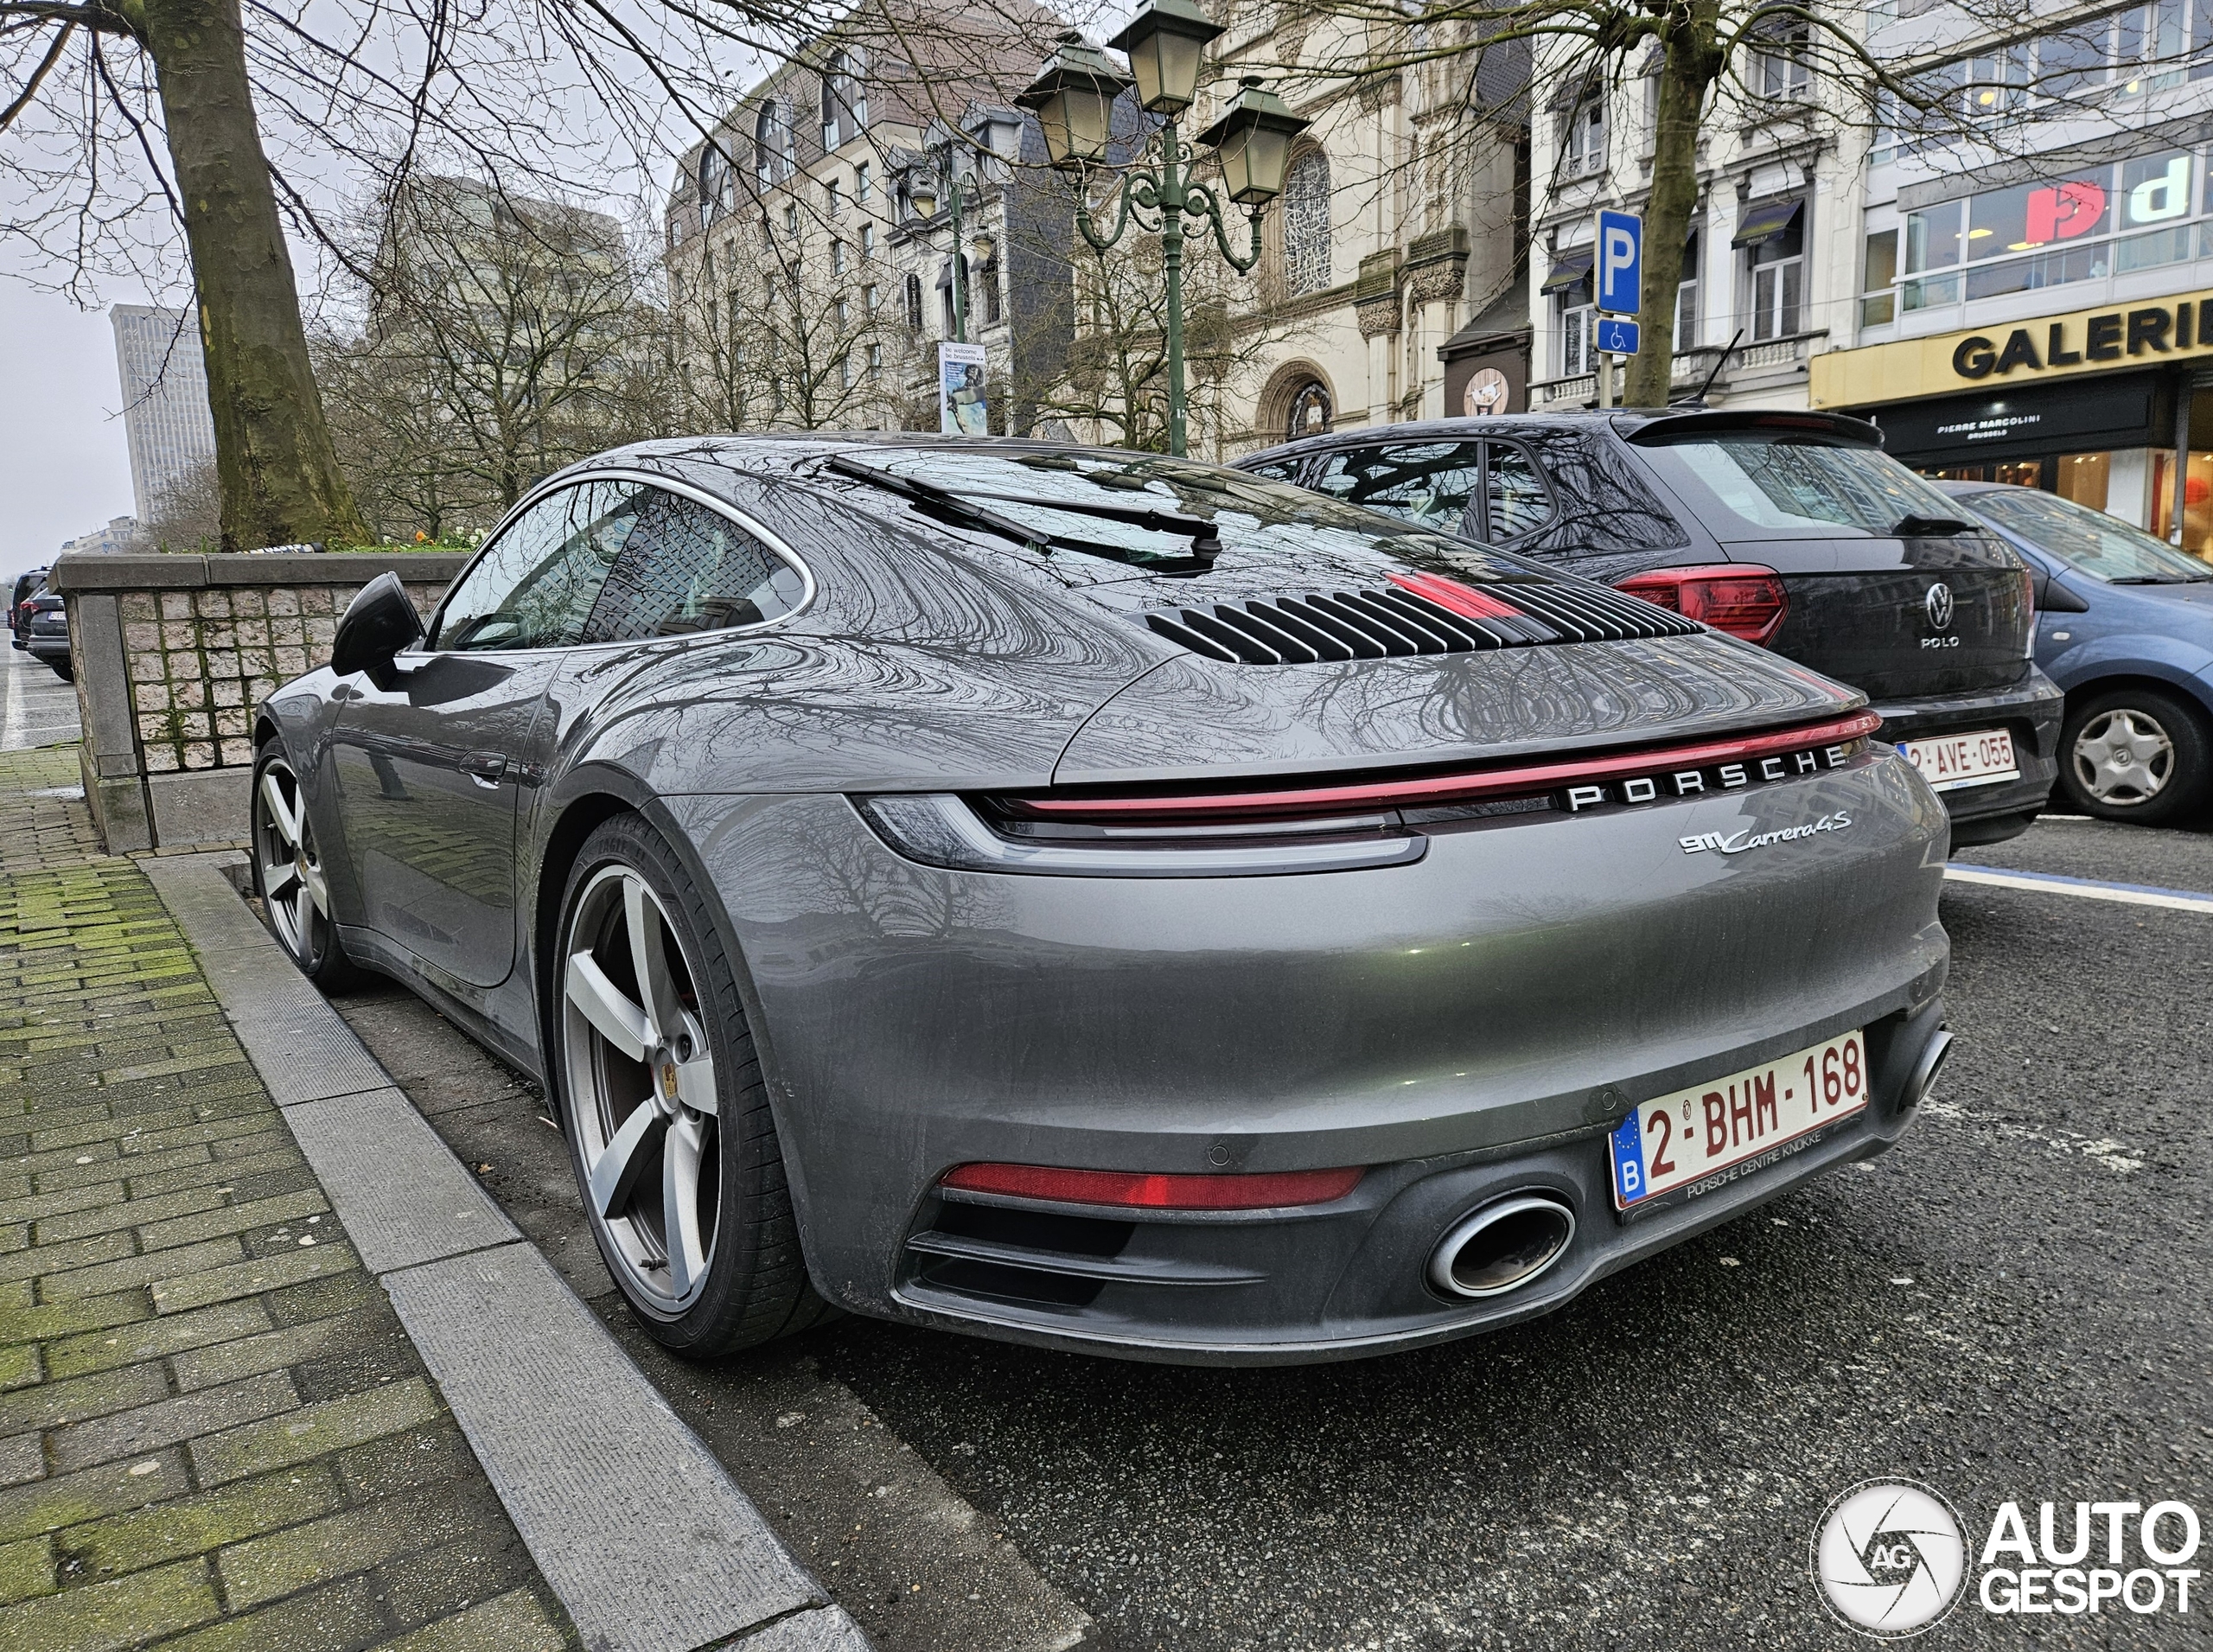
1930 528
960 503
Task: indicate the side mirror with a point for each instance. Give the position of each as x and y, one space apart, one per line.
379 623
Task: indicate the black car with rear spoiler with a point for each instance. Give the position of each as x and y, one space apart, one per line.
1790 530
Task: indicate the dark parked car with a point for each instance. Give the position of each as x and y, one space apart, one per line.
1794 531
47 636
19 606
2125 625
919 898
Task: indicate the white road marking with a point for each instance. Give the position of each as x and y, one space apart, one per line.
12 721
2178 899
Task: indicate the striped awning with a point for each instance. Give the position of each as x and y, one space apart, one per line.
1568 268
1764 223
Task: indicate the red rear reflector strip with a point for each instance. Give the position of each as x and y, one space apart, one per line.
1138 1189
1451 595
1445 788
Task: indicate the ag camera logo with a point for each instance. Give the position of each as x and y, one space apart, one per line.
1891 1557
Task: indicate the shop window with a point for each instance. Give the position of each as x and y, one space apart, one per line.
2196 503
2086 478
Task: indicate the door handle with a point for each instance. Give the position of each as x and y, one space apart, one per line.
485 768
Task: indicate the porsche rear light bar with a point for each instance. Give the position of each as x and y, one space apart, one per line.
1741 598
1435 790
1149 1190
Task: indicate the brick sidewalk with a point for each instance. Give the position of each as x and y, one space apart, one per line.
213 1432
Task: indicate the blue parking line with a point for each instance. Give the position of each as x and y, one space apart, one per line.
2090 888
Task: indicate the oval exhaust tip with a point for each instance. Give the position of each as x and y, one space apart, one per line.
1926 1070
1503 1247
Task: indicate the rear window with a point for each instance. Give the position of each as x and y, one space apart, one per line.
1758 485
1157 514
1428 483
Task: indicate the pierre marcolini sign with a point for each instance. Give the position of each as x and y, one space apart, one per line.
2105 340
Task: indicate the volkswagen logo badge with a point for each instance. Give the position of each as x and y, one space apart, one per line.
1938 604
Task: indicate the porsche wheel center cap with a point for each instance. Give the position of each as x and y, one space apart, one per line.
668 1086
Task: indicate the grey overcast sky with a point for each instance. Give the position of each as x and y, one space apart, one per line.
64 469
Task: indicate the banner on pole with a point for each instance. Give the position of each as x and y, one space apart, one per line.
962 410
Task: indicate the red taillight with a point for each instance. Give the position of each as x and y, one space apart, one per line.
1452 595
1138 1189
1744 600
1522 780
2028 595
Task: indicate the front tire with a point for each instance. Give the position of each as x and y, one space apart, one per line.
2139 755
668 1123
288 874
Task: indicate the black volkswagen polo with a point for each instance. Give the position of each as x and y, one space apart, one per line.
1791 530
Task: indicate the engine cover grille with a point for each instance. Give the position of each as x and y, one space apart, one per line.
1393 622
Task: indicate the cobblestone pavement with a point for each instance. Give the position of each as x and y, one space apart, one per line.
213 1432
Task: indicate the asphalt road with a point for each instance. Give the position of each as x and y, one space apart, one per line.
2012 1305
36 707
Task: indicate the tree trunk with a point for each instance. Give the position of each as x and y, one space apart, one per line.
1690 66
280 479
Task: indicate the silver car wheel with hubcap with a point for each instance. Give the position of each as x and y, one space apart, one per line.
2122 757
287 868
641 1090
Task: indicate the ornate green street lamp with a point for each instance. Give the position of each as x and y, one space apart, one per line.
1073 96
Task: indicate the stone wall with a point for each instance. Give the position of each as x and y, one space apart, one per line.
172 654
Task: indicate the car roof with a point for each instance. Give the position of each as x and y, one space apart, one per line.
1627 422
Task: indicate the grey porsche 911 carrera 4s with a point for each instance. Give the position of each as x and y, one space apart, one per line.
1107 900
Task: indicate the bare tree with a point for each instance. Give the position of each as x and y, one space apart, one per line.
1710 66
801 334
187 515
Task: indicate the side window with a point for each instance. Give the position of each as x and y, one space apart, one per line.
1427 483
686 568
1515 499
536 585
1286 470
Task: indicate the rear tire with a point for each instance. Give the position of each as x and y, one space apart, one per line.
288 874
2140 755
668 1122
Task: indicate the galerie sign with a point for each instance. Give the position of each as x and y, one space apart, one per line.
2055 346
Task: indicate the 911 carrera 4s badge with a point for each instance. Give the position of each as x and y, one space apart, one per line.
1736 842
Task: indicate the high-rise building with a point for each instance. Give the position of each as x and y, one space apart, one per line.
164 399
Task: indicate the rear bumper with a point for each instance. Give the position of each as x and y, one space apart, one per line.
49 648
1462 1027
1346 1280
2030 710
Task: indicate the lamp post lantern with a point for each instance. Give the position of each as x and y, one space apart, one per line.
1074 95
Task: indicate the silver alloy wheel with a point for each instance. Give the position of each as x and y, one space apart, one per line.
291 872
641 1089
2123 757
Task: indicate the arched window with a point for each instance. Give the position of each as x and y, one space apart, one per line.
1306 224
772 146
715 193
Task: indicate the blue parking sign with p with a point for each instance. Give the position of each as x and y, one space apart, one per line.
1620 263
